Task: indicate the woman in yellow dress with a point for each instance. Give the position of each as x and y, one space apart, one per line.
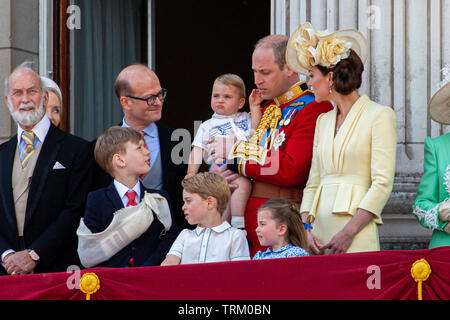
354 153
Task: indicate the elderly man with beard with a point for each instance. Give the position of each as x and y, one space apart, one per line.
44 181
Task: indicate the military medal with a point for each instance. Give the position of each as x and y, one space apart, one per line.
290 117
281 137
283 121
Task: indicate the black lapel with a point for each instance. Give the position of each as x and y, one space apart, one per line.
111 193
6 168
143 189
45 162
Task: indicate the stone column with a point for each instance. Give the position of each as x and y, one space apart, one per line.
408 46
19 41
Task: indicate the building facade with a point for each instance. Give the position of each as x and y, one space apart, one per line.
408 40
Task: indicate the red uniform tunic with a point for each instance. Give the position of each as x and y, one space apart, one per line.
279 164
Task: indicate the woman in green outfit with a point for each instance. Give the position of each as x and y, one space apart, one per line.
432 205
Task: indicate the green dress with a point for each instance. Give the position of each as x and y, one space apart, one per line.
434 188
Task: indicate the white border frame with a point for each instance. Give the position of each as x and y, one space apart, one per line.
46 38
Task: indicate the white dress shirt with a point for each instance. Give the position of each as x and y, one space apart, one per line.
122 190
40 130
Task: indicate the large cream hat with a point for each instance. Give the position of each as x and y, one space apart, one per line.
439 106
307 47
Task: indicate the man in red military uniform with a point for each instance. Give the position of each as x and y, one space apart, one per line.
278 156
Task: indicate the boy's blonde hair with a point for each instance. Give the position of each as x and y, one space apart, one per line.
113 141
230 79
207 184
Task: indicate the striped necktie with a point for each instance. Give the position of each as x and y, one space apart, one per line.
28 137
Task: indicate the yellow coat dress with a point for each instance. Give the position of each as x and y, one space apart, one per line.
354 169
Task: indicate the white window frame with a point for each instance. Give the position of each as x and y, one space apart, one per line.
46 38
151 33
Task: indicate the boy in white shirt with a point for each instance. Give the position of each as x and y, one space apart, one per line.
227 98
205 198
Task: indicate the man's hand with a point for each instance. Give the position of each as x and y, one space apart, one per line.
19 263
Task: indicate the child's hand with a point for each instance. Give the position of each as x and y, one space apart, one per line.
255 100
189 175
171 260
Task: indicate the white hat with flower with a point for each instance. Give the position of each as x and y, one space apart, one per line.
439 105
307 47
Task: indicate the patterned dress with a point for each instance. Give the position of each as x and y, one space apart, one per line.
288 251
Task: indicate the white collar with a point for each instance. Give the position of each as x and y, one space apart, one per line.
40 129
219 229
151 130
122 189
231 116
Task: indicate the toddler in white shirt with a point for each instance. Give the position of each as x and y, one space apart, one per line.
228 97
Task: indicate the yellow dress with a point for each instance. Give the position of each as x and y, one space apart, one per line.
354 169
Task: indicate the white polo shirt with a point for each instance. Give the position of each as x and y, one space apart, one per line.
218 244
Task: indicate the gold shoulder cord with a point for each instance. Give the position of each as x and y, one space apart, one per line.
251 150
270 120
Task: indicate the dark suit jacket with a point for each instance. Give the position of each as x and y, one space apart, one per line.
55 202
149 249
173 174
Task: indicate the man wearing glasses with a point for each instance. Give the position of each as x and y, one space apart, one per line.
142 97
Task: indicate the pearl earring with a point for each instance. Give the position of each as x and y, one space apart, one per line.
331 90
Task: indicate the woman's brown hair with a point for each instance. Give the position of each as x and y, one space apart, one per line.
347 74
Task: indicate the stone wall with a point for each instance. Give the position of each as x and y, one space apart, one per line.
19 41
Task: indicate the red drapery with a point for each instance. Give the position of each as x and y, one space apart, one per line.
346 276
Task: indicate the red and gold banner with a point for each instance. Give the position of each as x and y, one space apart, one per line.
377 275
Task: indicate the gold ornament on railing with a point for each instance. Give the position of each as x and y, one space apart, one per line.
89 284
420 272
